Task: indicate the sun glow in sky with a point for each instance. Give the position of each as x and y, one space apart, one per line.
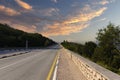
72 20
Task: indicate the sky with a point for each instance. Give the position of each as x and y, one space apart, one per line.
72 20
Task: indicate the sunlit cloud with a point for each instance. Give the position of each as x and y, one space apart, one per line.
74 23
54 21
83 17
5 22
26 28
104 2
8 11
31 29
24 4
62 29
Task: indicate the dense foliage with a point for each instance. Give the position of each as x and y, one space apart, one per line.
106 53
10 37
85 50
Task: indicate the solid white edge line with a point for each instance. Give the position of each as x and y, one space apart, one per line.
55 71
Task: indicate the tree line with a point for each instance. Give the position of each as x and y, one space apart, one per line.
10 37
106 52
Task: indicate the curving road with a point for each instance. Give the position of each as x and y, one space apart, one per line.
34 65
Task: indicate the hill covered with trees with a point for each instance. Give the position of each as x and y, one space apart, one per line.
10 37
106 52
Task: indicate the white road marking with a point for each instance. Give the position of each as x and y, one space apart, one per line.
55 71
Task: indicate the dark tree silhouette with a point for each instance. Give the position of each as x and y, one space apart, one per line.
10 37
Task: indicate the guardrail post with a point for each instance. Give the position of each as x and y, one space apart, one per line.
71 55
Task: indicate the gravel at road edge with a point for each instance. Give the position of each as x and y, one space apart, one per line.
67 70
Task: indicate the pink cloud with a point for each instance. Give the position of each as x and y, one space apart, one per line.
84 17
9 11
73 24
62 29
26 28
30 29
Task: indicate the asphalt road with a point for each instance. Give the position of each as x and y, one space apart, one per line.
34 65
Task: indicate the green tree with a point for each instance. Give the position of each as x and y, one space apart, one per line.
116 62
109 40
89 48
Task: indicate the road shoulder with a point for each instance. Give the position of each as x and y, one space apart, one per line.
67 70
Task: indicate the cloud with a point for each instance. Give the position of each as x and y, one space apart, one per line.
111 1
83 17
50 22
25 28
8 11
62 29
103 19
75 4
104 2
99 20
49 11
55 1
24 4
73 23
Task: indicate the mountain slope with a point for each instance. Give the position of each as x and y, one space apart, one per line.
10 37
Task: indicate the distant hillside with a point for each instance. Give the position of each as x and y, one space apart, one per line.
10 37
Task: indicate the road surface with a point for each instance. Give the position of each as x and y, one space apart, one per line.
34 65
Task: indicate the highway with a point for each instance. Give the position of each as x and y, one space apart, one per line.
34 65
